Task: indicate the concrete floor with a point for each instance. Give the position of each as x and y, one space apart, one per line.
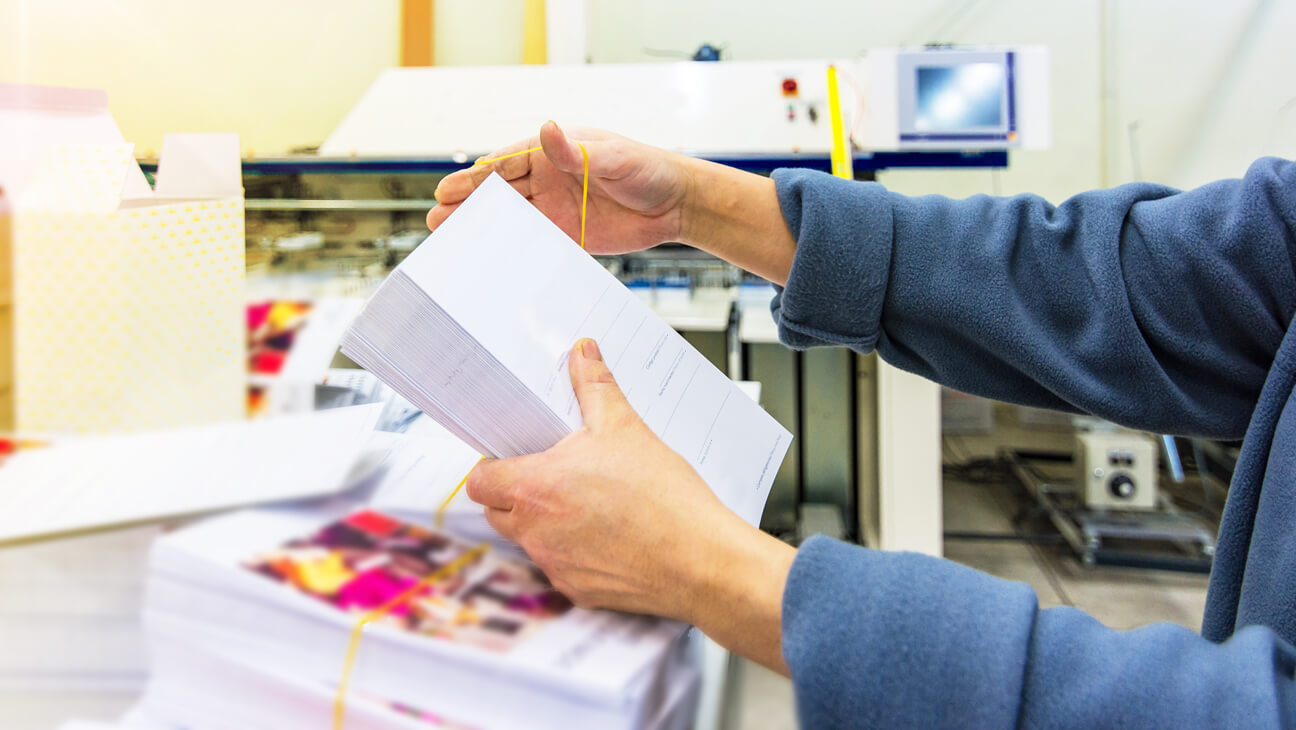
1121 598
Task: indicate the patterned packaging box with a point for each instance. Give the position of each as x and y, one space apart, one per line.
121 305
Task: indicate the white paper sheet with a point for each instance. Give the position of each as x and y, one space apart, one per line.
424 468
88 483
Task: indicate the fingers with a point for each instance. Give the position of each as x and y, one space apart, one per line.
606 158
491 482
438 214
562 152
503 521
457 186
607 154
601 400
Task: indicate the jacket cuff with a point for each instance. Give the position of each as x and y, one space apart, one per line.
877 639
838 280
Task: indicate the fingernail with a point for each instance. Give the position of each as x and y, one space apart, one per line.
590 350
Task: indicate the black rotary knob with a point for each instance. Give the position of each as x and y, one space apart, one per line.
1121 486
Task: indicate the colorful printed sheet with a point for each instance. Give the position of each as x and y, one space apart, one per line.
364 560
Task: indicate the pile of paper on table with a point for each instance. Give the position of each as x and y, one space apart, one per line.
249 616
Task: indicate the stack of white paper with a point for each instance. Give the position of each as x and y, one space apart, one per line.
249 616
476 325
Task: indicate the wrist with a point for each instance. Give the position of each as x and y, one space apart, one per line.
735 595
701 212
690 204
735 216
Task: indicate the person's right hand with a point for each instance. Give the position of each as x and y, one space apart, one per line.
637 193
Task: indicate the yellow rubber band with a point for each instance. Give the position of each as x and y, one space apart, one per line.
584 191
584 182
519 153
353 647
440 513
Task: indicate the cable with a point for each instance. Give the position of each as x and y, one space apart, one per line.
1046 566
1199 457
974 536
861 108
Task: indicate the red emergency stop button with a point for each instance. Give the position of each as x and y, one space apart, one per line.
789 87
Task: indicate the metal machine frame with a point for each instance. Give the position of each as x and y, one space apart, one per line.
1087 531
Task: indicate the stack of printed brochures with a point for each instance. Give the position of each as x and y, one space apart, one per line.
249 616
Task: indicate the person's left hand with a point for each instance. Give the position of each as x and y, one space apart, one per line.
611 514
618 520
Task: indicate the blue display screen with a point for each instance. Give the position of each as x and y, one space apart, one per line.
968 96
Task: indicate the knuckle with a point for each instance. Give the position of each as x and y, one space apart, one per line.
621 420
528 498
505 527
475 485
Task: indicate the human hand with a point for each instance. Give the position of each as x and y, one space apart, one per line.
616 519
636 192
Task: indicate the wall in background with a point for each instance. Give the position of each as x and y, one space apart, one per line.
623 31
478 32
1202 88
281 73
1176 91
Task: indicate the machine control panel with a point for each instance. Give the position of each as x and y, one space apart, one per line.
1116 470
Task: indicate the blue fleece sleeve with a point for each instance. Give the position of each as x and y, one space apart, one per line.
1151 307
901 640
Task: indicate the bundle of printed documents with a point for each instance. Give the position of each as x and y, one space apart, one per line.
475 327
249 616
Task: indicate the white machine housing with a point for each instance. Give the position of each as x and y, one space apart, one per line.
776 109
750 108
1116 470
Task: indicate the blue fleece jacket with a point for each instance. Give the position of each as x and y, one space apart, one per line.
1158 309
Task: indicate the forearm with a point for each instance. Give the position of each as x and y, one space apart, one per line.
1151 307
736 594
735 215
879 639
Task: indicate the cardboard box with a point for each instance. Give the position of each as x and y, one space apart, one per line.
121 304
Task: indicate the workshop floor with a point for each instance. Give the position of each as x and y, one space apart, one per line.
1120 598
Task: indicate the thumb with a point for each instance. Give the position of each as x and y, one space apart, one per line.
601 400
562 152
605 157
